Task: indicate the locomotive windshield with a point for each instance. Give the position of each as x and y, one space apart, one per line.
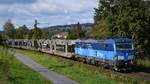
124 46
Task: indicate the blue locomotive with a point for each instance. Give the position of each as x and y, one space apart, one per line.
116 53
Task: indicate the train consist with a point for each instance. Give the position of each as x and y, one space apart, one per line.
117 53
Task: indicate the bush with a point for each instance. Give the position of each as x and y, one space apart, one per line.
5 62
4 70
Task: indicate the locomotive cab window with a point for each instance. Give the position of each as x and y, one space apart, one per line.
123 46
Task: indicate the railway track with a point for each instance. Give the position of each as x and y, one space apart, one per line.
139 75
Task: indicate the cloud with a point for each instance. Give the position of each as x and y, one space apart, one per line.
47 11
17 1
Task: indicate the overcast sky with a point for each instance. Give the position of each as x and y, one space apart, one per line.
52 12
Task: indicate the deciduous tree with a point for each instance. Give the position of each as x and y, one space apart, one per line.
9 30
22 32
77 32
125 18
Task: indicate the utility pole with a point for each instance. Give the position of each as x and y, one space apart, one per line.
35 24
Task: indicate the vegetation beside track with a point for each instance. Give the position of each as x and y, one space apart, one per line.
145 63
13 71
84 74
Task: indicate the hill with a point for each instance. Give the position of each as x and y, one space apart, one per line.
65 28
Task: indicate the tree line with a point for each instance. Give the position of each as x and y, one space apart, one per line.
23 32
124 18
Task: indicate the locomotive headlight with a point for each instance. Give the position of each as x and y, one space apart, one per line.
130 57
120 57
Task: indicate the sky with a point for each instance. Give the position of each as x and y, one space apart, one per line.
47 12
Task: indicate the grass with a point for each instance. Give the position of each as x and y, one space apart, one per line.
145 63
82 73
20 73
143 66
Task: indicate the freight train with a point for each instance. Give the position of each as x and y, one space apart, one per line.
117 53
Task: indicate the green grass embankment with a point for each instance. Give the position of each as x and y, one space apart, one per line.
13 71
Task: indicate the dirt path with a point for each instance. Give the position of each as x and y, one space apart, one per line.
50 75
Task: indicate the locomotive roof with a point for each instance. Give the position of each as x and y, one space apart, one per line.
113 40
90 41
118 40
